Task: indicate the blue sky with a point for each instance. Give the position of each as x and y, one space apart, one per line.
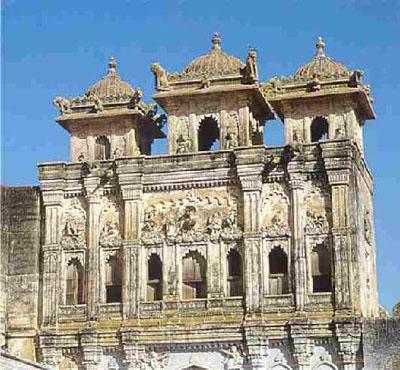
61 47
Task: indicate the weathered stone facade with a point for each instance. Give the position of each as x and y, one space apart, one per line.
244 257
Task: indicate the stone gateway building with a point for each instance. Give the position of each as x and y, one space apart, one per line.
222 254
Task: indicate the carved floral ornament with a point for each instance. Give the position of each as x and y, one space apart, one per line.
191 218
74 226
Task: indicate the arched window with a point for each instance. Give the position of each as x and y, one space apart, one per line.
235 280
102 148
278 271
75 283
208 134
154 278
321 268
194 276
319 129
113 280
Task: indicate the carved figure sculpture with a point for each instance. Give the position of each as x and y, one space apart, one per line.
186 221
97 103
251 70
297 144
315 84
230 222
64 105
234 360
214 224
153 361
231 140
355 78
205 82
110 235
183 145
340 133
160 77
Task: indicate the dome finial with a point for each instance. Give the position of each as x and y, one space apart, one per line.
320 45
216 41
112 66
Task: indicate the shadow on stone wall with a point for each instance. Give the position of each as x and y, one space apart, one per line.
381 344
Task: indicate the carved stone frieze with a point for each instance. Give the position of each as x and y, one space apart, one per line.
73 225
193 216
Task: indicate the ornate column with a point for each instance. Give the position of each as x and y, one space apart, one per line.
91 184
300 277
52 201
131 189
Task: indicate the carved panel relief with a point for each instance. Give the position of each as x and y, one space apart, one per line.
317 206
73 225
188 216
110 234
275 210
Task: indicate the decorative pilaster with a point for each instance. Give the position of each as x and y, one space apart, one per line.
303 345
348 334
252 243
257 348
339 185
91 350
131 189
52 201
132 351
93 266
50 355
296 185
250 166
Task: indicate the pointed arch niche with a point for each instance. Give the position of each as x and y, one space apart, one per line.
154 278
208 134
75 283
278 271
235 274
319 129
194 276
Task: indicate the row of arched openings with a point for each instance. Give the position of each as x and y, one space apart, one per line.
194 275
208 133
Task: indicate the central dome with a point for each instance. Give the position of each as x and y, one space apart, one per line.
111 85
215 63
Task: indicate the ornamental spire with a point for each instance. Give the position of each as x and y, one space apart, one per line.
320 45
216 41
112 67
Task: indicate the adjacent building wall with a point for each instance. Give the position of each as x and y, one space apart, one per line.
20 247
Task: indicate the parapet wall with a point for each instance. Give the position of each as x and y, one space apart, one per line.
381 344
20 247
